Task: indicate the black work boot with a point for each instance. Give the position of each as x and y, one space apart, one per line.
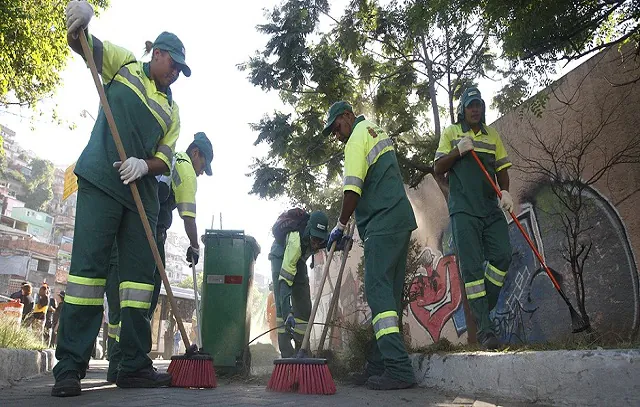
143 378
360 378
386 382
489 341
112 377
68 385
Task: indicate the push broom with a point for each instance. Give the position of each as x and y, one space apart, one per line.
302 374
578 324
195 368
333 304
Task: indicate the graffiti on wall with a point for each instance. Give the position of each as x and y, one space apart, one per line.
529 309
437 290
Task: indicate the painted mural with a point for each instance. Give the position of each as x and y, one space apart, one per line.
529 309
438 293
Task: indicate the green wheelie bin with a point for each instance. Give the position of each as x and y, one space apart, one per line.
229 257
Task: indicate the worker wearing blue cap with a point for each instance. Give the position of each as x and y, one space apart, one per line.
148 121
479 226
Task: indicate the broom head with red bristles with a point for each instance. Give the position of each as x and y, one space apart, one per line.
194 369
302 375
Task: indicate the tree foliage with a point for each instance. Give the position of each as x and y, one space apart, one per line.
39 183
33 48
403 65
188 282
535 35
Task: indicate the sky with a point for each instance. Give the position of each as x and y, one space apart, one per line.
217 99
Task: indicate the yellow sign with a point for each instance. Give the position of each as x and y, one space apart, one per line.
70 182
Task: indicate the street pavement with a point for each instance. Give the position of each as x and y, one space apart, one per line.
230 392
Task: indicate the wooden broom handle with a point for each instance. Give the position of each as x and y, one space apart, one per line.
327 264
134 188
333 304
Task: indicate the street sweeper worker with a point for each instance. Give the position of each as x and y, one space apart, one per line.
148 121
373 188
478 224
297 236
177 190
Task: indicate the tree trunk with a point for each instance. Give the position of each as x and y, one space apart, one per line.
432 90
450 91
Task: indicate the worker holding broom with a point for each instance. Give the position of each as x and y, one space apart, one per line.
298 235
177 190
148 120
479 226
373 188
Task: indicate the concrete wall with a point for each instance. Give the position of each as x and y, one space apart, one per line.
582 104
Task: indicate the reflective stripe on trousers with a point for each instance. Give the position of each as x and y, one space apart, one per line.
280 325
135 295
85 291
385 323
494 274
301 326
475 289
114 331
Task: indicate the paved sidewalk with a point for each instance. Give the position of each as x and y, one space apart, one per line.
97 392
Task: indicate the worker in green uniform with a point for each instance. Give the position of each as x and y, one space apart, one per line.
177 190
291 279
478 224
148 122
374 189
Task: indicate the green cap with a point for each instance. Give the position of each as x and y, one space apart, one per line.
171 43
201 141
335 110
469 95
319 225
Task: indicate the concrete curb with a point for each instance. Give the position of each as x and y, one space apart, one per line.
586 378
17 364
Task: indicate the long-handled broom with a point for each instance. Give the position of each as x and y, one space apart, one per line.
333 304
185 373
302 374
195 369
578 324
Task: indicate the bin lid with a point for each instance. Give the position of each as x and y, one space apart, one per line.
232 234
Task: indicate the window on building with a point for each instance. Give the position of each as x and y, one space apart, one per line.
43 265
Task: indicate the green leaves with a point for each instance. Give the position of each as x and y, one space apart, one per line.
392 61
33 48
535 35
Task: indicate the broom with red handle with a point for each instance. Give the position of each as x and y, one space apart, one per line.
577 322
302 374
195 369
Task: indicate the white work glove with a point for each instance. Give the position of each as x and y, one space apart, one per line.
79 14
465 145
506 202
132 169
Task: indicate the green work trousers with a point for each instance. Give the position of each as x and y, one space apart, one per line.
113 299
296 299
385 258
484 256
101 220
